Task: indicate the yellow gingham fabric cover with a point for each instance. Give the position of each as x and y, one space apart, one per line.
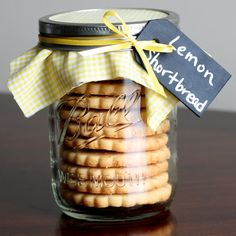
41 77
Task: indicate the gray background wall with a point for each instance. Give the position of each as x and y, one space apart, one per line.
209 23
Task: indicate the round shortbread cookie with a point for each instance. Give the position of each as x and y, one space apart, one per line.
111 87
116 186
148 143
117 200
103 117
104 102
100 174
119 131
106 159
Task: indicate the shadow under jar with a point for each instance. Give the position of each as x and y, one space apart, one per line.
107 164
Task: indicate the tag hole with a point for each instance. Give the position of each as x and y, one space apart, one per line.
157 40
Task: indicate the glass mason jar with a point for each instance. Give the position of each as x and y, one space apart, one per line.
107 164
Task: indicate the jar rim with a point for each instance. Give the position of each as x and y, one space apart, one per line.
54 25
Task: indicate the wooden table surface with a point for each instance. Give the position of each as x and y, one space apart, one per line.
205 202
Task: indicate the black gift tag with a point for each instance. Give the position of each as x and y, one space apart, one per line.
189 73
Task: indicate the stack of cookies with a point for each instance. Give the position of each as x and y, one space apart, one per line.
109 156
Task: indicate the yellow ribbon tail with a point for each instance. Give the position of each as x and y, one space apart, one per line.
159 87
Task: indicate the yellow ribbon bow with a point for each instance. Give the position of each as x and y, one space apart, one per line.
110 45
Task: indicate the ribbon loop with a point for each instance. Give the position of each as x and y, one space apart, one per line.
107 22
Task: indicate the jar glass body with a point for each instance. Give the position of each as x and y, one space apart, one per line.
107 164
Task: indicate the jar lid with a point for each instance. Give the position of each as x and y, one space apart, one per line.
89 22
